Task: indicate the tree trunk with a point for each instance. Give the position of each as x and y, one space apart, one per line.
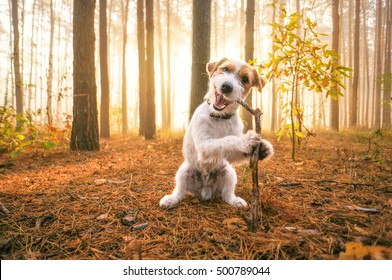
49 111
161 68
249 48
30 86
387 77
274 103
84 135
150 100
17 70
168 68
124 102
335 46
378 65
104 70
354 98
201 34
142 66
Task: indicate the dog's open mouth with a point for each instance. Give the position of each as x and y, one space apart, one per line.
221 101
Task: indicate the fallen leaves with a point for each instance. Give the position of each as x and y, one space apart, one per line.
356 251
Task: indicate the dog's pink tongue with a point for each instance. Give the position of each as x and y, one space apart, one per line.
219 101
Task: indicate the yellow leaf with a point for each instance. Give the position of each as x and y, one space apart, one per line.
356 251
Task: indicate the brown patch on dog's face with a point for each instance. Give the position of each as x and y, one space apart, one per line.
249 77
213 66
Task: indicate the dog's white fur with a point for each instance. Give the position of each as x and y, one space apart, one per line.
215 138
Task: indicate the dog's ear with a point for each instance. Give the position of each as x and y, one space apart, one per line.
212 66
258 81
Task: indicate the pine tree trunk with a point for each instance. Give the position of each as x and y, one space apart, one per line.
274 103
17 69
168 68
104 70
142 66
378 65
335 46
49 111
201 34
124 102
249 48
161 68
354 98
30 94
387 77
84 135
150 132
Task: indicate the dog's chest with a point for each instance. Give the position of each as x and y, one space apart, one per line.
222 128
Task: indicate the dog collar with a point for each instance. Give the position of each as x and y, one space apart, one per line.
220 116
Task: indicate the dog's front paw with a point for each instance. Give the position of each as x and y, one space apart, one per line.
266 150
250 141
168 201
235 201
238 202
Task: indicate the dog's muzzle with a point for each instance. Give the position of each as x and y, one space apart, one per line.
221 100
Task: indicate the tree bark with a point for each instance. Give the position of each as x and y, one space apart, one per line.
378 65
354 98
201 35
168 68
124 102
49 110
335 46
387 76
249 48
84 135
142 66
17 71
150 132
104 70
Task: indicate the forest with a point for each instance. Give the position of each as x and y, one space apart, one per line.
95 98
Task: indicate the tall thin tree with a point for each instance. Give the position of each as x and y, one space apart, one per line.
17 71
84 135
387 76
49 91
201 36
378 65
104 70
335 46
124 102
142 66
150 100
249 48
356 44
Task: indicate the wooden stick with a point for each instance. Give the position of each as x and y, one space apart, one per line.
253 221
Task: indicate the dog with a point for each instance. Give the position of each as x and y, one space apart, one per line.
214 138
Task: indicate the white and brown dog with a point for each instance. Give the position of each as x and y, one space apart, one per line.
215 138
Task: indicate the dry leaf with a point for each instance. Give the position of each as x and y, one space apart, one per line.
99 182
356 251
103 216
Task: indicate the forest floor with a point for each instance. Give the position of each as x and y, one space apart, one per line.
334 202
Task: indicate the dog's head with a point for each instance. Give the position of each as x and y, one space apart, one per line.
230 80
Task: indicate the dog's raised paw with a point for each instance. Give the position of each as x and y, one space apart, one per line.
266 150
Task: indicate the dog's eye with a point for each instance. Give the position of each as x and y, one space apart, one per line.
225 69
244 80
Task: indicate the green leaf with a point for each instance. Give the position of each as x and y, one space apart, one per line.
15 153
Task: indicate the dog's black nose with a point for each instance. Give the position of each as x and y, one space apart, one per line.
227 88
